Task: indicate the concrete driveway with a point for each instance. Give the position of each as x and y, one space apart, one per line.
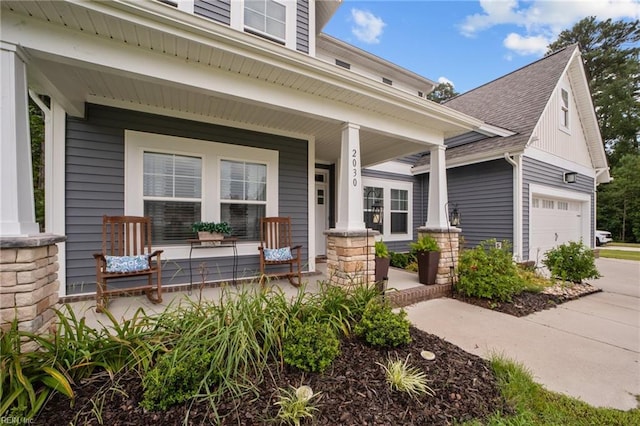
587 348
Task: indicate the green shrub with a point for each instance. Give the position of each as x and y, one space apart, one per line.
571 262
489 272
425 243
381 249
401 260
310 346
175 378
380 326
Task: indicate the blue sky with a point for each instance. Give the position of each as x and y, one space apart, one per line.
468 43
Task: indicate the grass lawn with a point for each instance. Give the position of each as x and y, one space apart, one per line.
535 405
620 254
623 244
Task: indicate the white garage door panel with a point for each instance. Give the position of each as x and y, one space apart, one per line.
553 222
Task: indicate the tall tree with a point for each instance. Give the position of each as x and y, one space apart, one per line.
619 201
611 55
442 93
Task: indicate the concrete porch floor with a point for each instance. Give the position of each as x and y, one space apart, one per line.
402 287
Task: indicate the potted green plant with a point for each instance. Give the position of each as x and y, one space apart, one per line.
382 260
427 256
211 231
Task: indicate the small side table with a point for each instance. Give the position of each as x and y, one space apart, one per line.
207 244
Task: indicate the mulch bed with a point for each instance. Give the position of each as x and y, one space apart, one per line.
528 303
353 391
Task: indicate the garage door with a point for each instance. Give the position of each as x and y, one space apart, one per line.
553 221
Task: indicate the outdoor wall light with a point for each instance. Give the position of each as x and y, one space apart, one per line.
455 218
376 213
570 177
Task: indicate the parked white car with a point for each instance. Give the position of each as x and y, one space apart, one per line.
603 237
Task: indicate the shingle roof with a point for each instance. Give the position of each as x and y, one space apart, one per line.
515 102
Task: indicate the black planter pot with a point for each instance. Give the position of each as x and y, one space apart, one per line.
382 268
428 266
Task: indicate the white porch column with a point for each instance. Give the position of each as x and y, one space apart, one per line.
436 212
350 206
17 215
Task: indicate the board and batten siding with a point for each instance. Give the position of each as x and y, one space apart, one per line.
95 187
483 193
541 173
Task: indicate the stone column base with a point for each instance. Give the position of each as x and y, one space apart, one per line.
351 257
29 277
448 241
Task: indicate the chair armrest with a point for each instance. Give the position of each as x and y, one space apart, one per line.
99 257
156 253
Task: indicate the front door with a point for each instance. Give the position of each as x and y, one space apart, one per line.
322 211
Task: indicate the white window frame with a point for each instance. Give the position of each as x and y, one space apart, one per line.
387 186
565 110
237 21
212 153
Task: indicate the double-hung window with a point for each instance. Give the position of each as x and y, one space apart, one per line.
564 109
172 194
243 196
399 211
268 17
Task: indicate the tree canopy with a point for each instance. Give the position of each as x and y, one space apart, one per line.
442 93
611 53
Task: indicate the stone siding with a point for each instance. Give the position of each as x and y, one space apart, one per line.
351 257
29 285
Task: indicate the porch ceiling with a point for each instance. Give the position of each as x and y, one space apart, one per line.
151 57
101 87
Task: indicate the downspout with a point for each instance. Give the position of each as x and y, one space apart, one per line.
594 213
516 162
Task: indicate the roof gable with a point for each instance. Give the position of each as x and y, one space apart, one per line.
516 100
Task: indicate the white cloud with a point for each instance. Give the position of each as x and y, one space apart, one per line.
446 80
530 45
543 19
367 27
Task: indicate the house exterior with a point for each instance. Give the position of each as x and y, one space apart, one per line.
211 110
532 183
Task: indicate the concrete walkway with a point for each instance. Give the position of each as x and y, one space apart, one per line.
587 348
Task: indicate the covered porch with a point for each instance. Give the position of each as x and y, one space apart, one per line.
401 289
194 72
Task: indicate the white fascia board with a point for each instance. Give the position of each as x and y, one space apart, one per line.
395 167
490 130
540 155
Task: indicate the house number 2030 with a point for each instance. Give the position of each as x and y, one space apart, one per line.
354 163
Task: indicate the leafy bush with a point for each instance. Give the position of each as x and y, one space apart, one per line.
310 346
571 262
175 378
489 272
380 326
402 260
27 377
